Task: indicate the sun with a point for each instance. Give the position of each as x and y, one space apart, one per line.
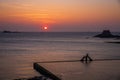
45 27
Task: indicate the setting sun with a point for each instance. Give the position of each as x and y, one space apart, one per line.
45 28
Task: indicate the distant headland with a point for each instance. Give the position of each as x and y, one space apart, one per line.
9 31
107 34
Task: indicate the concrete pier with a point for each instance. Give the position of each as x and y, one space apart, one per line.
55 70
108 69
45 72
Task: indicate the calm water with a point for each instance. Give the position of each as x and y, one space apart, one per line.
18 51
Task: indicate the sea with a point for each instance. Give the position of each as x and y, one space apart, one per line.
18 51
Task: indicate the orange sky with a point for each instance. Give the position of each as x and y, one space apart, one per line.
59 15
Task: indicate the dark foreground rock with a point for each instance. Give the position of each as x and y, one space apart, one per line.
35 78
107 34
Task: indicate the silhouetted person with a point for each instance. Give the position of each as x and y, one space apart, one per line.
88 57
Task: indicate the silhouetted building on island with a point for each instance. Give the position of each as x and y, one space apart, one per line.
107 34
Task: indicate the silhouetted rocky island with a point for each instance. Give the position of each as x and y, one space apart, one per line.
9 32
107 34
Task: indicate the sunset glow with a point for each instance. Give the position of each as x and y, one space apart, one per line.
62 15
45 28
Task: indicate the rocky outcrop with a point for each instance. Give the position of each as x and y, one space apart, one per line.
9 31
118 42
107 34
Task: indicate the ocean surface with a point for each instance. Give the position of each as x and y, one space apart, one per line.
18 51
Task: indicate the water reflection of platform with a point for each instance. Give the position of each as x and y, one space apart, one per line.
96 70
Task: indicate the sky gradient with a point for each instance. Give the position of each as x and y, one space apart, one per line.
60 15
